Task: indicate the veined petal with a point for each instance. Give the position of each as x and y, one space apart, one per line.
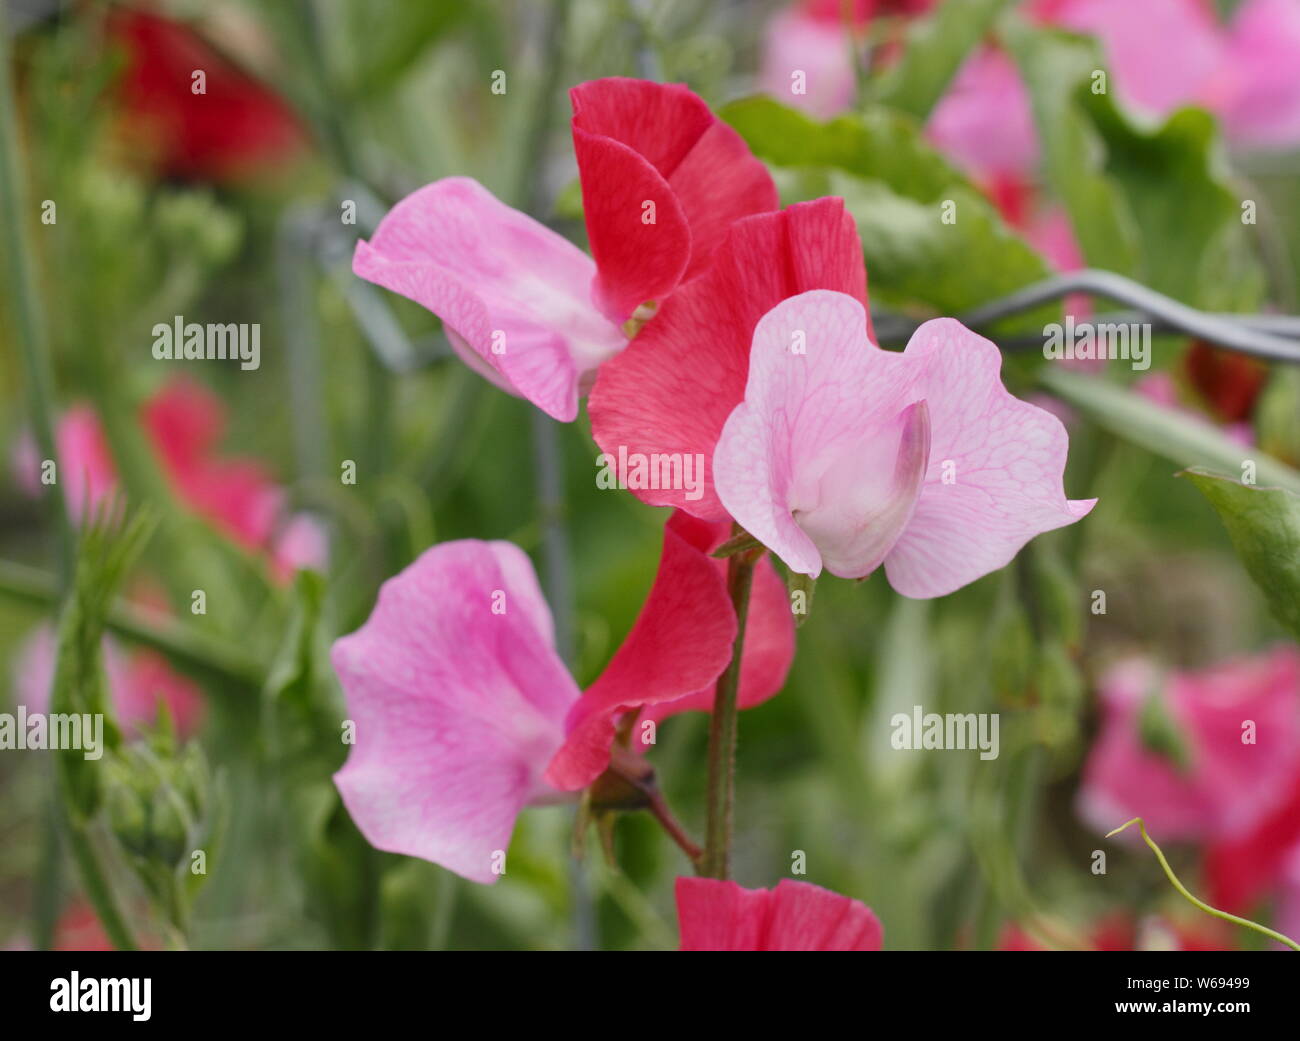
821 461
996 467
459 700
514 296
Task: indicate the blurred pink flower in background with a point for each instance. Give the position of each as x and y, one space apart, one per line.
1175 749
465 713
140 683
713 915
184 422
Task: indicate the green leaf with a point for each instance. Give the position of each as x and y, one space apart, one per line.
1190 237
895 186
1264 525
1183 439
935 49
1117 178
1054 66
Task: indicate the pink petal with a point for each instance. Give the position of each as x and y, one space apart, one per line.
795 916
984 122
822 461
674 386
1007 460
458 708
796 41
637 143
302 545
1159 52
513 295
1259 91
680 643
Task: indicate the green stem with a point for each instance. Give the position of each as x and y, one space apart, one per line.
96 885
1173 879
27 310
183 645
715 863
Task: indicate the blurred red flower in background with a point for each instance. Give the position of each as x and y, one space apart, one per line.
234 129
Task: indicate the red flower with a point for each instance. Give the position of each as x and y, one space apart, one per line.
795 916
662 180
235 128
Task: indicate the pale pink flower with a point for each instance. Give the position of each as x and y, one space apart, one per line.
845 456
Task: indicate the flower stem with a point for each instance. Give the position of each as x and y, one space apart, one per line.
715 863
96 885
1169 873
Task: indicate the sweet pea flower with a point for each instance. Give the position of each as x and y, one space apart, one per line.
465 712
184 422
713 915
662 181
845 456
140 683
1175 748
674 386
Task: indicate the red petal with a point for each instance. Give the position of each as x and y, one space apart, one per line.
637 143
769 636
680 643
676 383
795 916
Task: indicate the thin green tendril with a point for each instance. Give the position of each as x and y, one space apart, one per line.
1169 873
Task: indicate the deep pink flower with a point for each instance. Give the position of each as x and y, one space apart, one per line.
674 386
184 423
845 456
85 467
1174 748
465 712
662 180
713 915
139 684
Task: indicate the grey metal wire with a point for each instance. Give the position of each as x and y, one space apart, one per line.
1271 337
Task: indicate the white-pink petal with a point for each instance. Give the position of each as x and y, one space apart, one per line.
995 474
